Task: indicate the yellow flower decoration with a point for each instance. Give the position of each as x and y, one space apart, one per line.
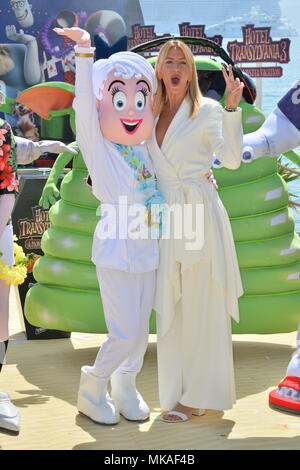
15 275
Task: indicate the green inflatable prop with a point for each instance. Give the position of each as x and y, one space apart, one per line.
66 296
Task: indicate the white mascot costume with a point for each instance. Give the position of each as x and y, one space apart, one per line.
279 134
113 107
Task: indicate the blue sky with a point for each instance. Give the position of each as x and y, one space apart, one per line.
291 9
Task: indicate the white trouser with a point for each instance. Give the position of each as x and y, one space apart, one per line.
6 247
4 309
7 202
195 360
127 303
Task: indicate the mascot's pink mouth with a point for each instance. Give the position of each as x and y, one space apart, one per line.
131 125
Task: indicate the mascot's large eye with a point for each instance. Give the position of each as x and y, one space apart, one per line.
119 100
140 100
248 154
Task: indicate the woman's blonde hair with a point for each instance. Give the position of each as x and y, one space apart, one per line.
193 91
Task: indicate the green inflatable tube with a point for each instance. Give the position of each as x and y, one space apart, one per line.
47 306
270 252
67 245
58 272
271 279
247 172
64 309
62 273
262 314
268 314
268 193
64 215
267 225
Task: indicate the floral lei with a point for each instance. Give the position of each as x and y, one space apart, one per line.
154 200
8 179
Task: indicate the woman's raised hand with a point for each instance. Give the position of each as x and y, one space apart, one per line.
80 36
234 88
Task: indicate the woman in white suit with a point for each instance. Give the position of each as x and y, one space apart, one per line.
197 288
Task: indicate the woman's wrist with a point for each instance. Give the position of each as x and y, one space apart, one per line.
229 109
84 44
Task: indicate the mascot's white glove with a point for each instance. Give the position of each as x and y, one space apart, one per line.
28 151
280 132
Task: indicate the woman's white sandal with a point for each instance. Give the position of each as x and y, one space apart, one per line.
183 417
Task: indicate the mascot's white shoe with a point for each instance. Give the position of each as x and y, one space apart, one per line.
94 400
9 414
128 400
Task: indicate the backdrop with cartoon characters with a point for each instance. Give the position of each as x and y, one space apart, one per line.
31 53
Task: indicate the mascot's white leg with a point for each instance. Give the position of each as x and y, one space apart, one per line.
287 396
128 400
121 355
94 400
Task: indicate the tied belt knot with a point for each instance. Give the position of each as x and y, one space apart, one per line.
188 187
